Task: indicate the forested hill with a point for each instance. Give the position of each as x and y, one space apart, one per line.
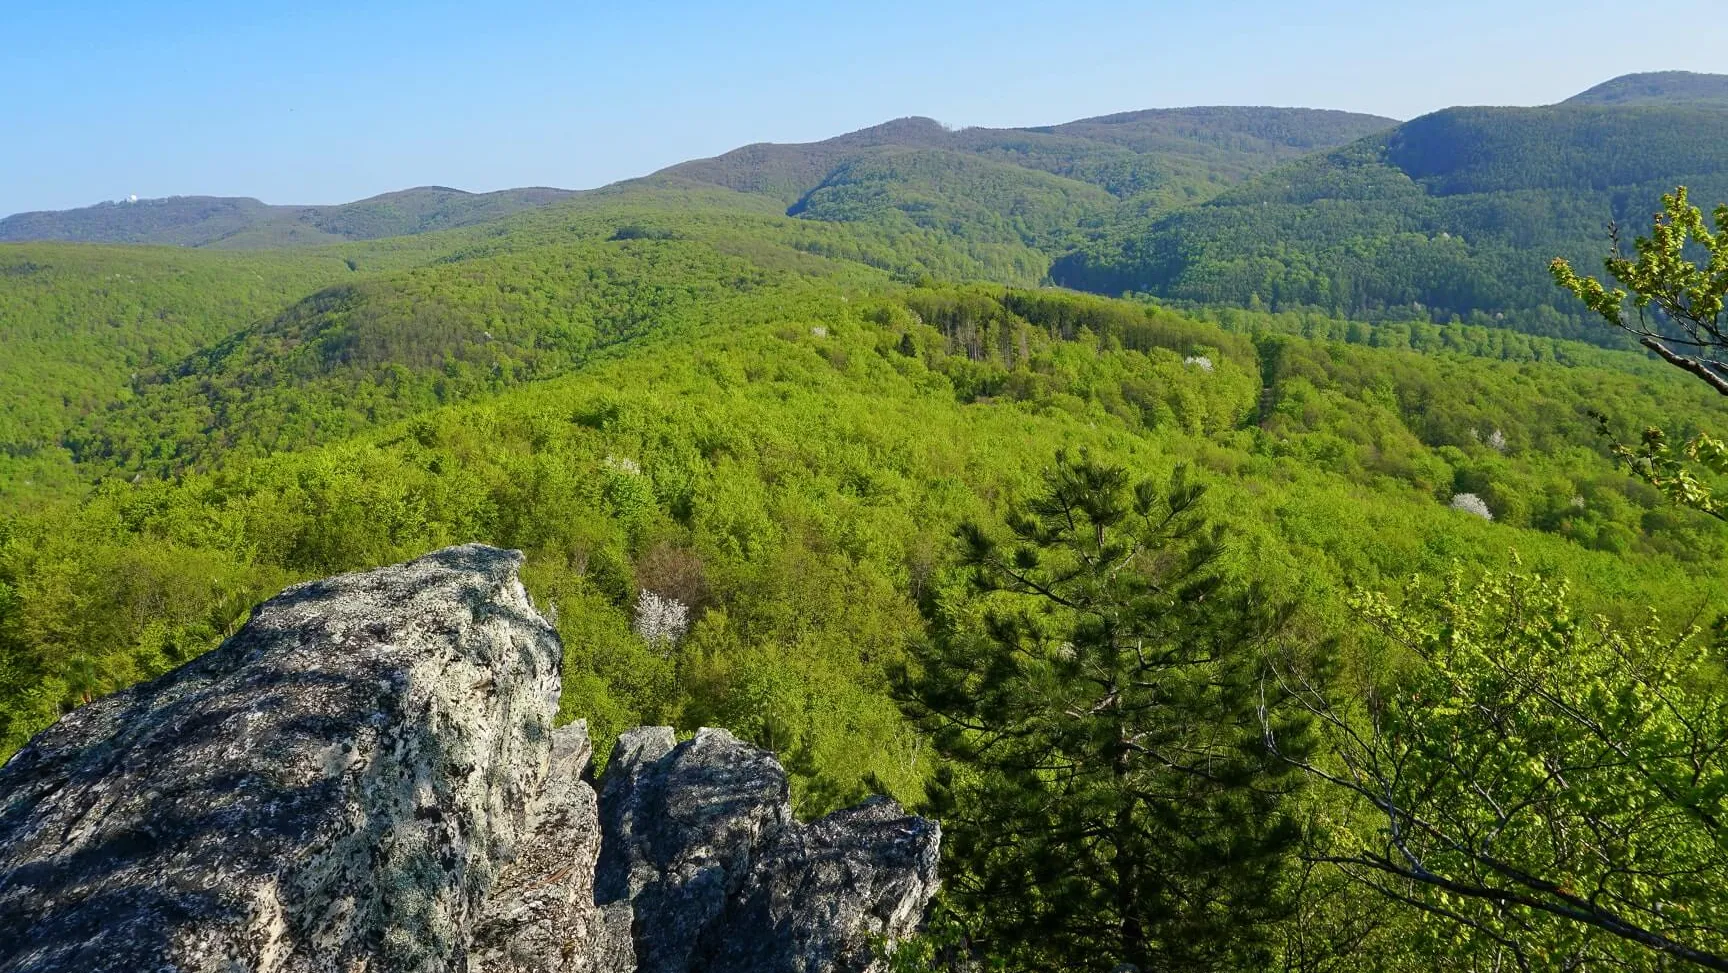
772 429
1453 214
1658 88
1020 187
244 223
1040 187
1450 215
1123 154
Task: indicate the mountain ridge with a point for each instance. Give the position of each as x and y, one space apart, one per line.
244 222
1434 219
1194 143
1151 200
1175 131
1657 88
1125 154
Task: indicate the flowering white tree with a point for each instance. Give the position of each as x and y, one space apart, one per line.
1470 503
660 621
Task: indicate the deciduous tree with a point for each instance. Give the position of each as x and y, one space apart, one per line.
1676 313
1547 787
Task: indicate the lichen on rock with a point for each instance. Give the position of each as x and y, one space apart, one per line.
366 779
700 840
335 787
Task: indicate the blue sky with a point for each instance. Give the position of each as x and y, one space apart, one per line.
330 101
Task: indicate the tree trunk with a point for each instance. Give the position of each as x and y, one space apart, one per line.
1131 930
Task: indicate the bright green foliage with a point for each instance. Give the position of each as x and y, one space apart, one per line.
361 355
676 388
1110 800
80 326
1432 221
157 359
1547 787
1688 296
942 944
983 200
1656 462
1685 331
814 477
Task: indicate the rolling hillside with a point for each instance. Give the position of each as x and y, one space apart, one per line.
1043 184
755 423
353 356
788 450
1040 185
1452 215
160 359
241 223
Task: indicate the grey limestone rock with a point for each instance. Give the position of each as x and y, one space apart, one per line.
541 916
365 779
333 789
700 841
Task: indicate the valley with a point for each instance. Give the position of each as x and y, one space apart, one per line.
820 395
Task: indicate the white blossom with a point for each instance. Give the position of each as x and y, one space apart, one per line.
819 331
1470 503
1497 441
660 621
624 464
1201 361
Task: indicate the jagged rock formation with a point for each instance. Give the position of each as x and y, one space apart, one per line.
332 789
541 917
366 779
700 841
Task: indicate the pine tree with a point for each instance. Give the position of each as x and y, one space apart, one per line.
1108 795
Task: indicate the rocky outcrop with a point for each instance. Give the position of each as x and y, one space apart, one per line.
699 839
541 917
366 779
334 788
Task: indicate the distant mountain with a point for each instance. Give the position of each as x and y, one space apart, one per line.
1034 188
243 223
1102 151
1037 187
1245 135
1453 214
1658 88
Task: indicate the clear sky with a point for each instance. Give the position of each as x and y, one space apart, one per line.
321 101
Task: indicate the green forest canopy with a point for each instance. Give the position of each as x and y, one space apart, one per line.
780 421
